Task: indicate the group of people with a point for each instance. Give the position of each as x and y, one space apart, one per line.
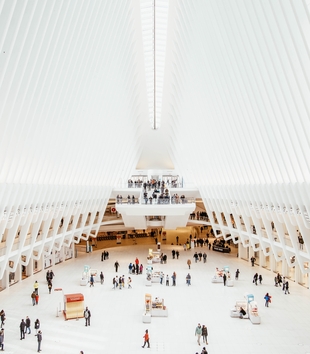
49 278
135 267
25 328
257 278
199 256
175 253
35 294
104 255
202 331
197 242
280 281
119 282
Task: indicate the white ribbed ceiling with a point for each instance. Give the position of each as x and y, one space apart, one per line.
74 95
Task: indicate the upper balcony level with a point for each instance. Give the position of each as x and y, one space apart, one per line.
139 201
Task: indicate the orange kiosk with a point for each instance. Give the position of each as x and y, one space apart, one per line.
73 306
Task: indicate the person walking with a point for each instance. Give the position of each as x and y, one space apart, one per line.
49 286
116 265
137 263
260 279
37 298
224 279
204 331
87 316
101 278
174 278
2 315
198 333
36 287
287 291
189 262
37 325
28 323
161 277
204 256
188 279
129 283
2 339
283 283
51 275
167 280
33 298
255 278
253 259
39 337
177 253
22 327
267 298
146 339
237 274
91 281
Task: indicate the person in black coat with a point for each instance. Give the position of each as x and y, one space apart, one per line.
87 316
22 328
39 337
224 279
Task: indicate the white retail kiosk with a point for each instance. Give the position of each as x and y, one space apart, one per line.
218 276
154 308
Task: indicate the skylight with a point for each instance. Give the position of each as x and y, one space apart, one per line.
154 18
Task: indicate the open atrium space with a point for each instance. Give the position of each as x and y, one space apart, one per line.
155 176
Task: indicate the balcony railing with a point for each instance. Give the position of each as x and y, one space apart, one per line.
156 201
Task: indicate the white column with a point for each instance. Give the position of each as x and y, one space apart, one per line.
262 259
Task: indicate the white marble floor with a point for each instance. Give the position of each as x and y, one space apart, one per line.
116 322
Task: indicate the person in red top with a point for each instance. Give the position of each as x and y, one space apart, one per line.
137 265
146 339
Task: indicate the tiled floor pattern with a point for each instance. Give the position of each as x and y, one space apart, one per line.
116 322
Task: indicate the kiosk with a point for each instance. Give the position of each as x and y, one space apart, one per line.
153 256
148 273
158 308
155 308
235 312
85 276
252 309
73 306
146 317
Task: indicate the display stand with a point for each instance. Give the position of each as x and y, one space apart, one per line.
85 275
73 306
253 312
156 275
158 308
218 276
252 309
146 316
148 272
235 312
153 256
